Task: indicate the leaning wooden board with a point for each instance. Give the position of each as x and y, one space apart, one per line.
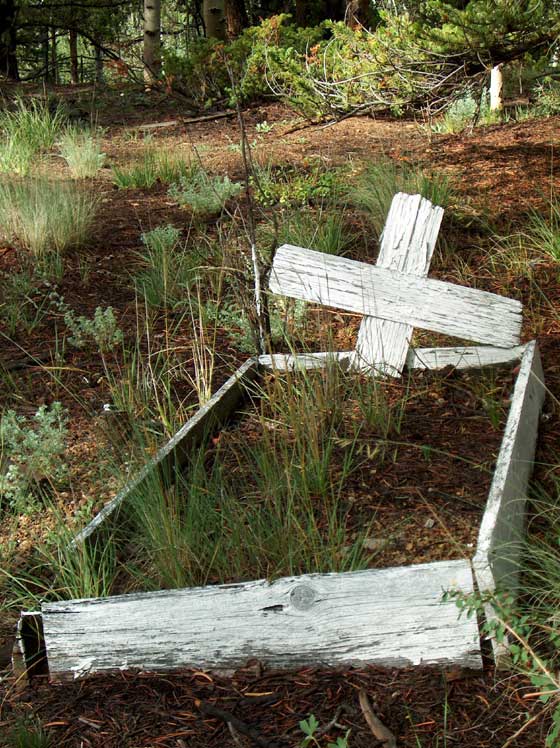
407 245
377 292
393 617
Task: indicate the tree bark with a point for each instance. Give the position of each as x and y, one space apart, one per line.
73 43
236 17
213 13
496 89
8 40
359 14
45 54
99 75
54 59
152 40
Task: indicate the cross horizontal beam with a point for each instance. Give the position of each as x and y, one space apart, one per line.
378 292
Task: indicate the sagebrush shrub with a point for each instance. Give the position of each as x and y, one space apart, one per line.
31 452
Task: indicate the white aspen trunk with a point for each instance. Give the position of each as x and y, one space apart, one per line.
152 40
213 13
496 89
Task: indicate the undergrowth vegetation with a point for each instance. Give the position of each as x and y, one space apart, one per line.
44 216
142 349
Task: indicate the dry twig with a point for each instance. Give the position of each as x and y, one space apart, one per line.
377 727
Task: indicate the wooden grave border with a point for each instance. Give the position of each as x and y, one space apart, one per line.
392 616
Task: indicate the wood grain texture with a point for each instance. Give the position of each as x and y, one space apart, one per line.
393 617
435 359
463 357
173 455
407 246
496 561
377 292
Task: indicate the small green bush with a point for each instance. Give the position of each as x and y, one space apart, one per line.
202 193
102 329
82 152
44 216
31 453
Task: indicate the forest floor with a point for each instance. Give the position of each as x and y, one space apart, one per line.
500 174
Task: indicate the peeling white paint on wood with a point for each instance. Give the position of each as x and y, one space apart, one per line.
392 616
173 454
377 292
407 246
469 357
435 359
304 361
496 561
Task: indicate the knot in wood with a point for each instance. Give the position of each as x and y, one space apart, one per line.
302 596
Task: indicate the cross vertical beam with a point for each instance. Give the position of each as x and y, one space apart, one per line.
407 245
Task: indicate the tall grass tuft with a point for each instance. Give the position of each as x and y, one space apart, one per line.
543 233
168 268
324 230
27 131
376 186
155 165
81 150
265 506
46 217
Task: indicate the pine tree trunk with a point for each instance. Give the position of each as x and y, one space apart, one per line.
152 40
45 54
236 17
213 13
99 75
54 59
73 43
8 40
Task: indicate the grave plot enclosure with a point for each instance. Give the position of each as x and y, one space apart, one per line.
394 615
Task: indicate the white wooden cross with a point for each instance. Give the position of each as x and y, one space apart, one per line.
395 295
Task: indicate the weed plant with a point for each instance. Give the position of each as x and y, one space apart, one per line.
202 193
375 187
46 217
543 232
26 733
284 185
81 150
324 230
31 128
30 454
155 165
169 269
22 307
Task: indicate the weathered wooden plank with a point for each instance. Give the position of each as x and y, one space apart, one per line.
407 245
463 357
388 616
173 454
303 361
377 292
470 357
496 561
